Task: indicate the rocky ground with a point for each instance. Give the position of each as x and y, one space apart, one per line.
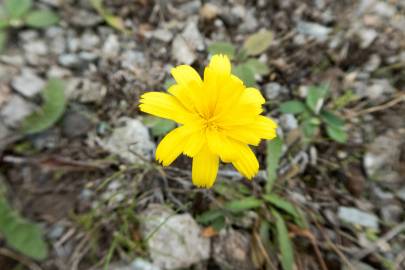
90 182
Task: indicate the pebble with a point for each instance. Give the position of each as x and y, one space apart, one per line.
85 18
391 214
273 90
181 52
15 110
314 30
75 124
132 59
231 250
288 122
70 60
28 83
176 241
85 90
89 41
130 141
111 46
209 11
401 194
355 216
367 36
193 37
162 35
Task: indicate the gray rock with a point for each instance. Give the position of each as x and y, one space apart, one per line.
162 35
401 194
12 59
131 59
181 52
85 90
89 41
130 142
231 250
15 110
190 7
75 124
137 264
367 36
288 122
193 37
37 47
174 240
28 83
380 89
111 46
382 155
391 214
356 216
273 90
384 9
314 30
70 60
56 39
249 23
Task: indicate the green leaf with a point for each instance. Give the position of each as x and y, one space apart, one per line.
332 119
258 67
293 106
336 133
41 18
209 216
52 109
3 40
20 234
244 204
316 97
245 73
222 48
274 148
282 204
284 242
17 8
158 126
258 42
113 21
309 128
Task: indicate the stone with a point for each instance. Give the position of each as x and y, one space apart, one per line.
85 18
131 142
85 90
288 122
273 90
70 60
193 37
181 52
367 36
356 216
28 83
56 39
379 90
391 214
132 59
249 22
89 41
231 250
75 124
163 35
209 11
401 194
381 157
15 110
111 46
174 240
314 30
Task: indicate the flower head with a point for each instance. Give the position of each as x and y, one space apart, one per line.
218 119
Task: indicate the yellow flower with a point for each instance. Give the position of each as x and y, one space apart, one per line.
218 116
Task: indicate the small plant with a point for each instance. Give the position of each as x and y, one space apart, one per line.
273 210
52 109
114 21
18 13
246 67
312 115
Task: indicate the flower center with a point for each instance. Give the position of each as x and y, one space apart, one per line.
210 123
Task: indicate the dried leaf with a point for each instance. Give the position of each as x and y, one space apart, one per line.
258 42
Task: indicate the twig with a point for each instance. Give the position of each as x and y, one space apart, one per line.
381 107
30 264
385 238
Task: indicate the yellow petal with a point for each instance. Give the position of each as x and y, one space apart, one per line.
205 168
221 145
172 145
185 74
220 63
194 143
247 163
165 106
252 96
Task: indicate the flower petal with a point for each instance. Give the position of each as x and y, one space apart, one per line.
185 74
194 143
205 168
219 144
171 145
165 106
247 163
220 63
